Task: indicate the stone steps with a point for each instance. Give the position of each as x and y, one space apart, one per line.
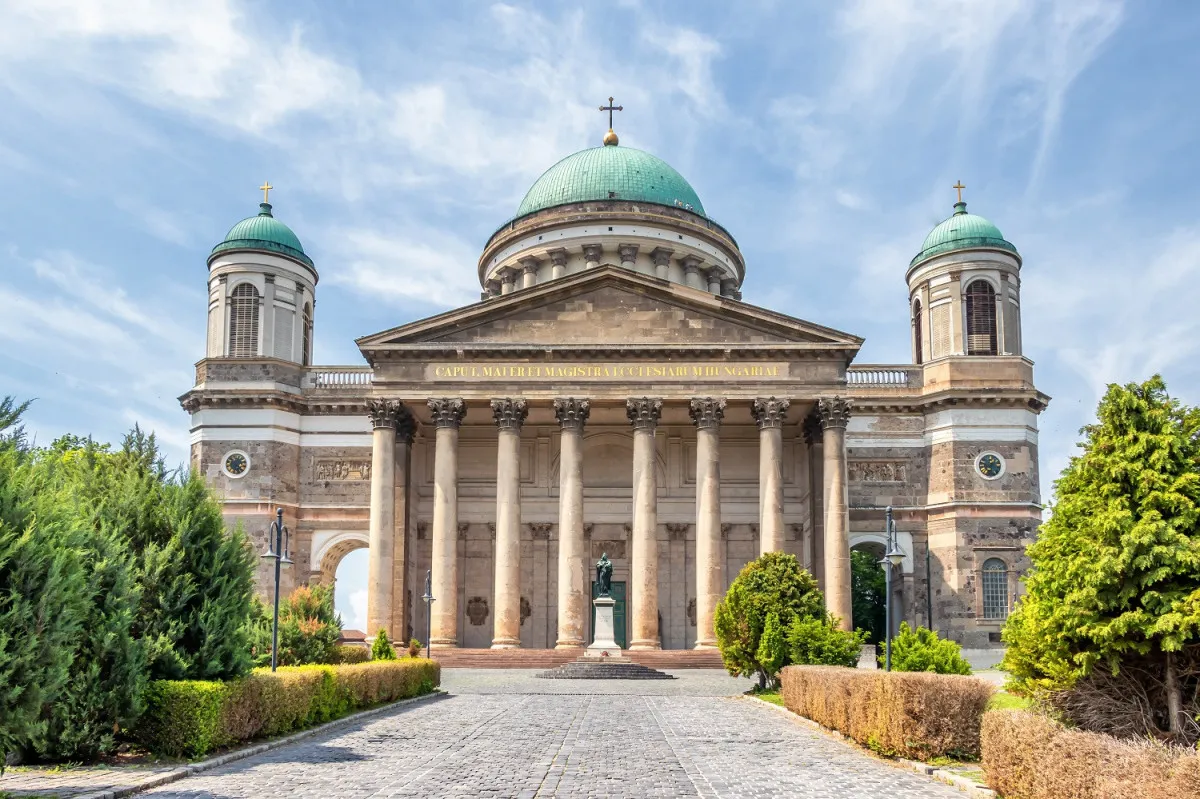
550 658
601 669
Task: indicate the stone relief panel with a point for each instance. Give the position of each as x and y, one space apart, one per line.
877 471
526 610
342 469
615 549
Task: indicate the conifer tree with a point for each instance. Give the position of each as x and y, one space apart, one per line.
1116 568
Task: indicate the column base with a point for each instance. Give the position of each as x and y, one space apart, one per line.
645 646
506 643
443 643
569 643
706 645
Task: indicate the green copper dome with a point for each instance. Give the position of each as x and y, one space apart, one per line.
962 231
263 232
610 172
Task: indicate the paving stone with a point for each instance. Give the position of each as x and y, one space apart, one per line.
503 734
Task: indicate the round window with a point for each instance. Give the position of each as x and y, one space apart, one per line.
235 463
990 465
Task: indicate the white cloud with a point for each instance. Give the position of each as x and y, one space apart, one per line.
413 268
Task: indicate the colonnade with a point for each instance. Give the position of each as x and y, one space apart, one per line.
390 418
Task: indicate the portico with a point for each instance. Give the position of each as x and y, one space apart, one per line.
708 435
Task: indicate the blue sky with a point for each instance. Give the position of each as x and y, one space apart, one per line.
824 135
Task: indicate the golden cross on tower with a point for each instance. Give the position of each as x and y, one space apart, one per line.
266 190
610 108
959 186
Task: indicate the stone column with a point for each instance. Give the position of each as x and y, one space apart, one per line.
706 413
508 281
714 281
643 414
506 617
492 287
816 494
835 413
401 612
592 253
529 267
728 287
573 594
770 413
662 261
447 414
558 263
628 253
380 541
691 272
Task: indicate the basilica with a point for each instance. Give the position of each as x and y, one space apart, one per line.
611 393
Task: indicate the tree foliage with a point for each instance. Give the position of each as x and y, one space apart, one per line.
821 642
308 627
382 649
868 591
1116 568
774 584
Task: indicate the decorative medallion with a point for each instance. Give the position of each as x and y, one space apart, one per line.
526 610
990 465
477 610
235 463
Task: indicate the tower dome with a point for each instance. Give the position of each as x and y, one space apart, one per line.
962 231
263 232
611 172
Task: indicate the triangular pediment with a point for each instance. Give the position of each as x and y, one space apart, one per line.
610 306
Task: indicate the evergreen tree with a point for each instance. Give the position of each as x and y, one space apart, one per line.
868 591
382 649
922 650
1116 568
772 650
308 627
775 583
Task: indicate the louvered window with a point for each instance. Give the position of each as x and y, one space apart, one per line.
243 321
917 340
981 318
995 589
306 353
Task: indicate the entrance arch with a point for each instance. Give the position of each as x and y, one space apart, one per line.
330 547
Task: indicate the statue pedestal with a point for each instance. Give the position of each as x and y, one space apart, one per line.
604 639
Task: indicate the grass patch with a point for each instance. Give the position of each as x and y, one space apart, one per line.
770 696
1003 700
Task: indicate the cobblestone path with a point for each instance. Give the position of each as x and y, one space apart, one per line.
685 741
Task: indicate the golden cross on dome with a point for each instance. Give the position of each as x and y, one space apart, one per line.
265 188
610 108
959 186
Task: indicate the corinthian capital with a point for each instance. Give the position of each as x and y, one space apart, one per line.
509 413
707 411
447 411
628 252
834 412
769 412
571 412
384 412
592 253
643 412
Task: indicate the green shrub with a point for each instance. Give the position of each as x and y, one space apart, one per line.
772 650
922 650
183 718
351 653
918 716
308 627
414 648
382 648
821 642
190 718
777 584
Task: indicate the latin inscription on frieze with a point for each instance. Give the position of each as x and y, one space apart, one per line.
601 372
342 469
877 471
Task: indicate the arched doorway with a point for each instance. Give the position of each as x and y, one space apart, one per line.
342 558
868 589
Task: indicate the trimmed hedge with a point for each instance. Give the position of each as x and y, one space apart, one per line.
1029 756
902 714
351 653
190 718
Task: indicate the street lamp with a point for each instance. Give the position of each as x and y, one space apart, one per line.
892 558
277 548
429 600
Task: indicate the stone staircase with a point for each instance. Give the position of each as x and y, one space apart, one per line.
668 659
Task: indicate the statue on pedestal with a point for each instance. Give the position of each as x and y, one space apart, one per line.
604 574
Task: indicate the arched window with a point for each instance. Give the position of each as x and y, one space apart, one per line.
243 321
306 353
917 341
995 589
981 318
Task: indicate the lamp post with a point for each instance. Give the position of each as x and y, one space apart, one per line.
891 559
429 600
277 548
